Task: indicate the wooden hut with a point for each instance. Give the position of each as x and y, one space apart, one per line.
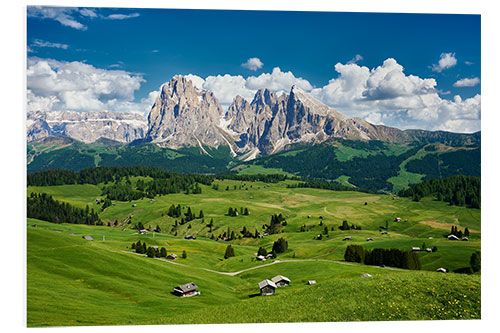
281 281
186 290
267 287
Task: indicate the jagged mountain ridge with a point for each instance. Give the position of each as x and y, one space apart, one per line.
87 127
185 116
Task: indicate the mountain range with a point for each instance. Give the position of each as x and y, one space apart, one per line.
186 116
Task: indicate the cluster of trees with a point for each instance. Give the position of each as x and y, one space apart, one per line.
455 231
111 174
43 207
277 220
280 246
121 192
152 252
325 185
229 252
263 252
273 178
456 190
234 211
176 211
248 234
380 256
345 226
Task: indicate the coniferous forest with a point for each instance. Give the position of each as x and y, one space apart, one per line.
44 207
456 190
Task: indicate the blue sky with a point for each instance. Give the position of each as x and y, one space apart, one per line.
146 47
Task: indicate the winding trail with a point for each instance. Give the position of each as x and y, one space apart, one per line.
260 266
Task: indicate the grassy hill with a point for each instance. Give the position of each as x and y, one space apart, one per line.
72 281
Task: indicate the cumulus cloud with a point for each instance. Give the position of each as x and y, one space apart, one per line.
42 43
467 82
58 85
447 60
253 64
386 95
227 87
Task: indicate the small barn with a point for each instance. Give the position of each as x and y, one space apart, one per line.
397 219
452 237
267 287
186 290
172 256
366 275
189 237
347 238
261 258
281 281
466 239
134 205
144 231
311 282
269 256
441 270
88 238
369 239
415 249
428 249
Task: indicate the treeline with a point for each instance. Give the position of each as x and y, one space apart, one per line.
44 207
272 178
456 190
321 184
380 256
109 174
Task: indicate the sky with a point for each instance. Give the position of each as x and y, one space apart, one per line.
402 70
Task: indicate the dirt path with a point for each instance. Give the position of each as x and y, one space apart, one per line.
257 267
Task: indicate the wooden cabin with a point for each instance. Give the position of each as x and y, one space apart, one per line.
267 287
281 281
172 256
186 290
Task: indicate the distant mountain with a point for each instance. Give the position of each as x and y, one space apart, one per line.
185 116
86 126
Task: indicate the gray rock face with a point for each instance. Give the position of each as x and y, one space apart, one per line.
269 123
185 116
86 126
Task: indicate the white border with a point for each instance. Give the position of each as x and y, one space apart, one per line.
13 30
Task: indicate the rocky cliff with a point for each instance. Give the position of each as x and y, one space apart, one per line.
86 126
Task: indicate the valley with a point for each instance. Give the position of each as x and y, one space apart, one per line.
73 281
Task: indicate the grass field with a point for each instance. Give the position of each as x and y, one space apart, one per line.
72 281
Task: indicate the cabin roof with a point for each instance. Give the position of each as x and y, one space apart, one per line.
278 278
266 283
184 288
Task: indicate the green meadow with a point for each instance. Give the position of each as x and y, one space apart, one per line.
72 281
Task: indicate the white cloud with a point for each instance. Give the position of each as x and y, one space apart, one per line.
121 16
447 60
88 12
386 95
62 15
253 64
467 82
277 80
42 43
227 87
58 85
71 16
355 60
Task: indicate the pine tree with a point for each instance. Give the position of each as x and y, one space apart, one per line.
184 254
229 252
475 261
163 252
